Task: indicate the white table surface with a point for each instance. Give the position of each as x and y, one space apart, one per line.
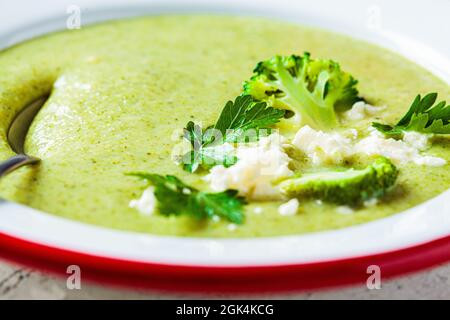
24 283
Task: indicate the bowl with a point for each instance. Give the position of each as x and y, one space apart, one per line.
405 242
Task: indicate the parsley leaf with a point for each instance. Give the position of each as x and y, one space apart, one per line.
206 151
246 113
422 117
233 125
177 198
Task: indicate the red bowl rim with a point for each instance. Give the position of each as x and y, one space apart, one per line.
234 279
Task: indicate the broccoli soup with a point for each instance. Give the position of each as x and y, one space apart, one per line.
163 125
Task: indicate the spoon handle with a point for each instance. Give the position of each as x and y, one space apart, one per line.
15 162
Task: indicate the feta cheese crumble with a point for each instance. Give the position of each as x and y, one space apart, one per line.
344 210
361 110
259 165
418 140
371 202
146 204
258 210
334 148
322 147
400 151
289 208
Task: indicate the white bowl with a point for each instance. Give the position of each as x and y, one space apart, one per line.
389 24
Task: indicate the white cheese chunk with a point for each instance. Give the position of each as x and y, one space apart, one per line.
361 110
258 166
146 204
322 147
371 202
430 161
257 210
345 210
417 140
289 208
398 151
334 148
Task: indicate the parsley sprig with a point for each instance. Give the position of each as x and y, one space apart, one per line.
177 198
232 126
206 150
422 117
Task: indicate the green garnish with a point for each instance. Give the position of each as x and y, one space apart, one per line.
233 125
206 150
422 117
245 114
177 198
312 89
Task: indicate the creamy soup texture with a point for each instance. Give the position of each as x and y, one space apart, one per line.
120 89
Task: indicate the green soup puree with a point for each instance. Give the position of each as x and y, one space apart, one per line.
120 89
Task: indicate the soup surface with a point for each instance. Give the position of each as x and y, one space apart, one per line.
120 92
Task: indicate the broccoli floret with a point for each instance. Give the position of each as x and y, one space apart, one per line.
312 89
350 187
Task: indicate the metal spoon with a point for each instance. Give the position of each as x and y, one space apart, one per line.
16 138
